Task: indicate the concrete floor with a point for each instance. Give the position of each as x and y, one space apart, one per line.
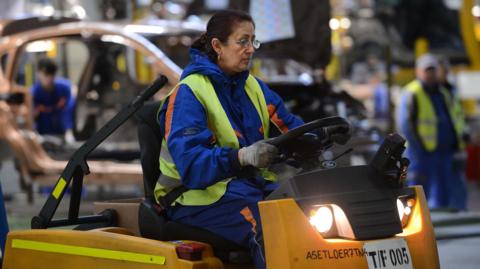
458 234
459 253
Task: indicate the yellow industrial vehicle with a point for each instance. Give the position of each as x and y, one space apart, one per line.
333 217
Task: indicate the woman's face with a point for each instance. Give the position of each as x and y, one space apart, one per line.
232 56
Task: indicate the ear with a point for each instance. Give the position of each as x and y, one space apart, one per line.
217 45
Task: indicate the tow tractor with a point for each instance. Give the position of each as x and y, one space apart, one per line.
325 217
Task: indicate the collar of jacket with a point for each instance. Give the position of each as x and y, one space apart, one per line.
201 64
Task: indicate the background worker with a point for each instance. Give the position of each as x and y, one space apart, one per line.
427 119
52 100
215 123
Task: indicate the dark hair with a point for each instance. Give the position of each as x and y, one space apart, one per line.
220 26
47 65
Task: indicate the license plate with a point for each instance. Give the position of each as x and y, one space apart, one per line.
388 254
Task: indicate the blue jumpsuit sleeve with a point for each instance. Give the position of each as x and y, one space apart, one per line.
35 94
69 105
405 119
65 90
199 161
279 115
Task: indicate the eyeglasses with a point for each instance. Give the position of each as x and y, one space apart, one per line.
246 43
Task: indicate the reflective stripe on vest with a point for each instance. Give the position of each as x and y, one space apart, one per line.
224 133
427 119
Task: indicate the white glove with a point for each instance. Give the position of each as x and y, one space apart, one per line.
69 137
260 154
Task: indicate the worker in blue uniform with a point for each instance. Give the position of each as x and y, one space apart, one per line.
215 123
52 100
429 120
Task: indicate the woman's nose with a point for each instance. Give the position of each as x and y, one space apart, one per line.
250 49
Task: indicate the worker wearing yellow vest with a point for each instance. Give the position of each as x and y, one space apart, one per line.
215 122
429 119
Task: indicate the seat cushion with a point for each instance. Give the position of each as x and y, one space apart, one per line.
156 226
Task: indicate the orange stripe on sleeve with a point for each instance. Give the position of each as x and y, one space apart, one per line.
272 111
247 214
261 130
169 113
238 134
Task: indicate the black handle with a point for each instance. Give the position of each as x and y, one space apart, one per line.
151 90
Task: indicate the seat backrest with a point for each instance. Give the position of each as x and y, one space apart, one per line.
149 138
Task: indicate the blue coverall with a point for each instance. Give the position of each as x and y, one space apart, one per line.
191 144
432 170
58 120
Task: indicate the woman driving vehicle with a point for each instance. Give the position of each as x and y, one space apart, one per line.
215 123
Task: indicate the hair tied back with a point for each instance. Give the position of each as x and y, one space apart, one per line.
203 38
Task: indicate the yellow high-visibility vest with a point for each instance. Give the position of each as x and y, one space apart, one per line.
427 119
220 126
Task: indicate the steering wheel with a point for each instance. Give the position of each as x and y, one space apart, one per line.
304 142
330 127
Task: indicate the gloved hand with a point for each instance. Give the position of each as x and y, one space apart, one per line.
260 154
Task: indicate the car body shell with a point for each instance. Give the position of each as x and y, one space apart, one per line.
17 120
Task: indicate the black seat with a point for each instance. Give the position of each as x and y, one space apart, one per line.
155 225
149 138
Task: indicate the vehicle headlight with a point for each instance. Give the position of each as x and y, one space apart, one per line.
405 206
330 221
322 219
401 208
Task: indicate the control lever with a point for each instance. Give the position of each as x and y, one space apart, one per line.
388 160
